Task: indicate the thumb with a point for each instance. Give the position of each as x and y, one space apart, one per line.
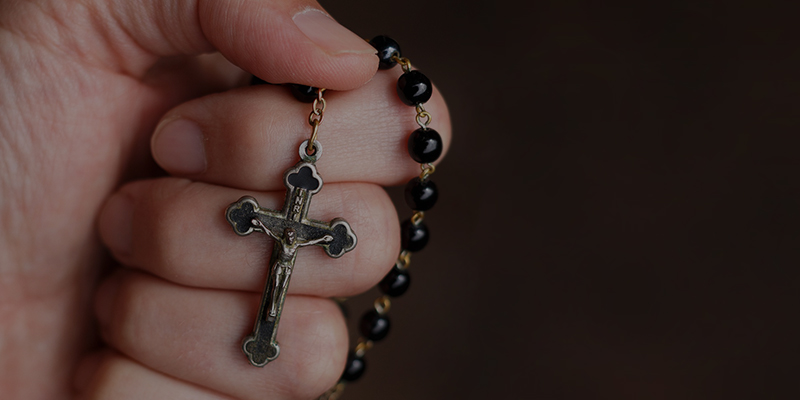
280 41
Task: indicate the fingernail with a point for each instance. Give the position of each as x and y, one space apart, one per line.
104 302
116 224
179 148
329 35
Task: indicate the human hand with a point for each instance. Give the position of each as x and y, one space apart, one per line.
177 318
84 84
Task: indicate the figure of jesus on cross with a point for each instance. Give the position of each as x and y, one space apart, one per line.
281 268
291 230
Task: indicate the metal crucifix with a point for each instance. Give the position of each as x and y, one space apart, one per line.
291 230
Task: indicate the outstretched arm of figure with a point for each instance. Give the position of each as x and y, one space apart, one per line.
324 239
266 230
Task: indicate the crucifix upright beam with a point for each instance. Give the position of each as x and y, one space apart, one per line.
291 230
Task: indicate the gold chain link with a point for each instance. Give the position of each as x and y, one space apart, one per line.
382 304
362 347
334 393
310 150
315 120
404 260
404 63
427 170
423 118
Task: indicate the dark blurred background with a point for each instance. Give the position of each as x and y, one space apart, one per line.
620 209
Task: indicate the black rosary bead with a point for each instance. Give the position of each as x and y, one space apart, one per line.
303 93
395 283
354 368
421 195
414 88
425 145
387 48
374 326
413 237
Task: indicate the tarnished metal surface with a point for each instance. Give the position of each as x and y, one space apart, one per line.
291 230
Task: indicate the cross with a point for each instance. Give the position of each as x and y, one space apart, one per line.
291 230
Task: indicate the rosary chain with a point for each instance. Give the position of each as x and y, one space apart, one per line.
417 218
403 260
335 393
315 120
423 118
405 64
382 304
362 346
427 170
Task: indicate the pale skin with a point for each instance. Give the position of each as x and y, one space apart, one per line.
92 92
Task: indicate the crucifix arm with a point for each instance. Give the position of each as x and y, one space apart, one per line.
324 239
269 232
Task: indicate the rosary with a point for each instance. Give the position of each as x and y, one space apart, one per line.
291 229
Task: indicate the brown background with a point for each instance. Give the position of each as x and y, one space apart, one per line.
620 210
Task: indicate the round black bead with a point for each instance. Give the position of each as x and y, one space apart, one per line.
387 48
421 195
306 94
374 326
354 368
414 88
425 145
413 237
395 283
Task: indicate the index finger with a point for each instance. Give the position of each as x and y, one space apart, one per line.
247 138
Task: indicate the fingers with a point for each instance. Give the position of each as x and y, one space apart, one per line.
246 138
178 79
278 40
176 229
120 378
195 335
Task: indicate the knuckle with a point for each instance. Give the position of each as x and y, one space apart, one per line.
318 354
105 378
378 233
129 304
162 225
313 350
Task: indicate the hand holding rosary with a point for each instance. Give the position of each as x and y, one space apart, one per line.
207 295
336 237
128 130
